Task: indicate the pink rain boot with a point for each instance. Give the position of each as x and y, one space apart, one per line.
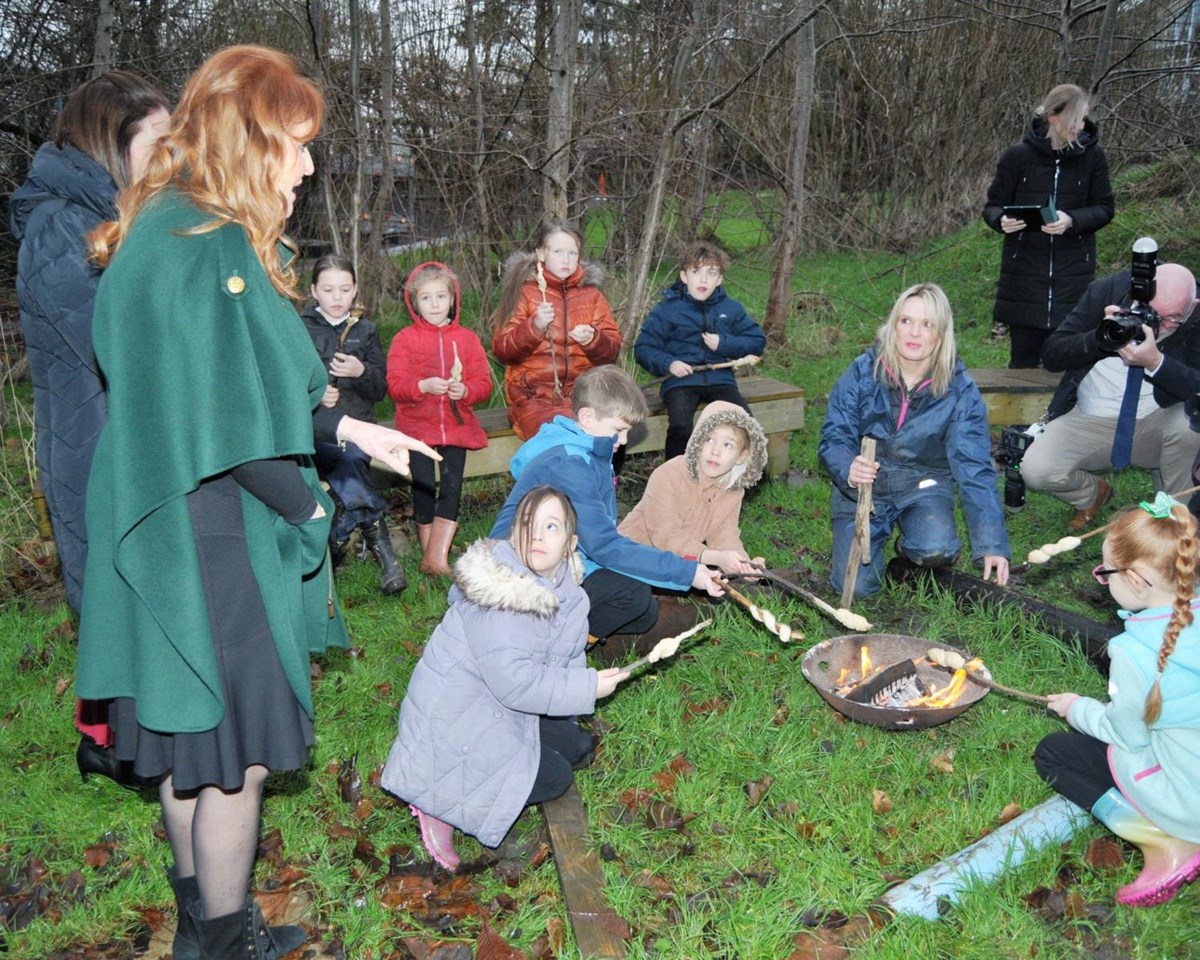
438 838
1169 861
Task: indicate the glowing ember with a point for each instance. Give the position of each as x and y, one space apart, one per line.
945 696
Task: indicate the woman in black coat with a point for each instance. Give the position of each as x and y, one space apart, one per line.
1059 168
100 144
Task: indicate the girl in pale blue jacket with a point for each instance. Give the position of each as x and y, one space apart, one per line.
1135 762
487 724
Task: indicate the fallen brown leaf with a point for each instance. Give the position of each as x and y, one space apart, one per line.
941 763
755 790
489 945
693 709
881 803
556 934
660 815
350 781
1104 854
97 855
1010 812
681 766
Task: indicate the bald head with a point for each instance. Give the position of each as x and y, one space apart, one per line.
1175 294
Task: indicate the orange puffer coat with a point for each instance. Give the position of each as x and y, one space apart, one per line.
540 368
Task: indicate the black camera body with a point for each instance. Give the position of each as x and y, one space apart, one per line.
1126 326
1014 441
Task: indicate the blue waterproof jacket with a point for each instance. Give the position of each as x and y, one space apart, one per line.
673 331
65 196
564 456
941 438
1158 766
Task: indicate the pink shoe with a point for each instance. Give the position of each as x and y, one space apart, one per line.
438 838
1159 883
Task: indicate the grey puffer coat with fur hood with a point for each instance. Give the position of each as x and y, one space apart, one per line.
509 650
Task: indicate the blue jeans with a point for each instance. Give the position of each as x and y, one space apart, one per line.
927 533
348 473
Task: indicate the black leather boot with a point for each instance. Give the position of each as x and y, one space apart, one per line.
187 904
392 579
91 758
337 548
244 935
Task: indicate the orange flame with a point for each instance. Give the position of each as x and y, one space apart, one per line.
865 662
945 696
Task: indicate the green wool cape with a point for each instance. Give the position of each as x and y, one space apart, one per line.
207 367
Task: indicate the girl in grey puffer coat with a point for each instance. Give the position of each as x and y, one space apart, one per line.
486 726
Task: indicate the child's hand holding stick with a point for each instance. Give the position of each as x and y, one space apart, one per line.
747 361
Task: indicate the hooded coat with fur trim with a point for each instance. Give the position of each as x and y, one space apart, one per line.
533 359
509 650
685 512
423 350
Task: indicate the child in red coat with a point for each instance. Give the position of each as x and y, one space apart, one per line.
436 369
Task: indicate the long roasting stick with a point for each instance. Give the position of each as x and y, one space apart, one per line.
666 647
1048 550
541 282
860 549
782 630
847 618
956 661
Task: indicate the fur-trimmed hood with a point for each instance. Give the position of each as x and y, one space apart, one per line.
721 413
491 575
585 275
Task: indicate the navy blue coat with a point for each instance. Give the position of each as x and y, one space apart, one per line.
942 438
65 195
1043 276
672 332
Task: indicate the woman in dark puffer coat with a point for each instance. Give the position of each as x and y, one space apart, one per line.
101 140
1060 167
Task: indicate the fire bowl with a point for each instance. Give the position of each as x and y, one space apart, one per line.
824 663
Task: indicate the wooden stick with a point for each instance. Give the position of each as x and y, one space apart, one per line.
1047 550
541 282
860 549
956 661
782 630
749 360
665 647
847 618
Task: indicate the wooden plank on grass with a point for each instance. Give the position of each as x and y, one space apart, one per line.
597 928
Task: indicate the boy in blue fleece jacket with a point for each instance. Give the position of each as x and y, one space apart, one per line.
575 457
696 324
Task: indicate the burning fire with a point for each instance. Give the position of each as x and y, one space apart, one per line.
864 656
945 696
846 678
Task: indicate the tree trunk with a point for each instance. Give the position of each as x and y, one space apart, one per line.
356 193
382 207
1108 26
557 165
102 50
779 297
479 183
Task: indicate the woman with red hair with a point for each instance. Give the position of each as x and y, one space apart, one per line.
207 584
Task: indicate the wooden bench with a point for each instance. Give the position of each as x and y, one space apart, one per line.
1014 396
778 406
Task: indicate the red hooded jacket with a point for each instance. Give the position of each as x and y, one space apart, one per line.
423 350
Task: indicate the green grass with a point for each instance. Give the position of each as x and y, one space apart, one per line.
739 880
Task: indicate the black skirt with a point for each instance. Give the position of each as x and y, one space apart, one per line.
263 722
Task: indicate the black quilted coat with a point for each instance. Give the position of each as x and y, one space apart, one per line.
1043 276
65 195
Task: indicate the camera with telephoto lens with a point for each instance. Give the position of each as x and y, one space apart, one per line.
1014 441
1126 326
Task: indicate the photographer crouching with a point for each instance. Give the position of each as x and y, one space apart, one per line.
1131 352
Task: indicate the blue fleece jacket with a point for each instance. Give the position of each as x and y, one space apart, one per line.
673 331
1158 766
564 456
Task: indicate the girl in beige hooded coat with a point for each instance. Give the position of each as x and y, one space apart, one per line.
692 503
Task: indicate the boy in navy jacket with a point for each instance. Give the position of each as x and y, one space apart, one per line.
696 324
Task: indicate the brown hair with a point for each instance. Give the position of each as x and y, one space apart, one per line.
522 534
520 268
701 253
333 261
102 117
228 138
610 392
1168 546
